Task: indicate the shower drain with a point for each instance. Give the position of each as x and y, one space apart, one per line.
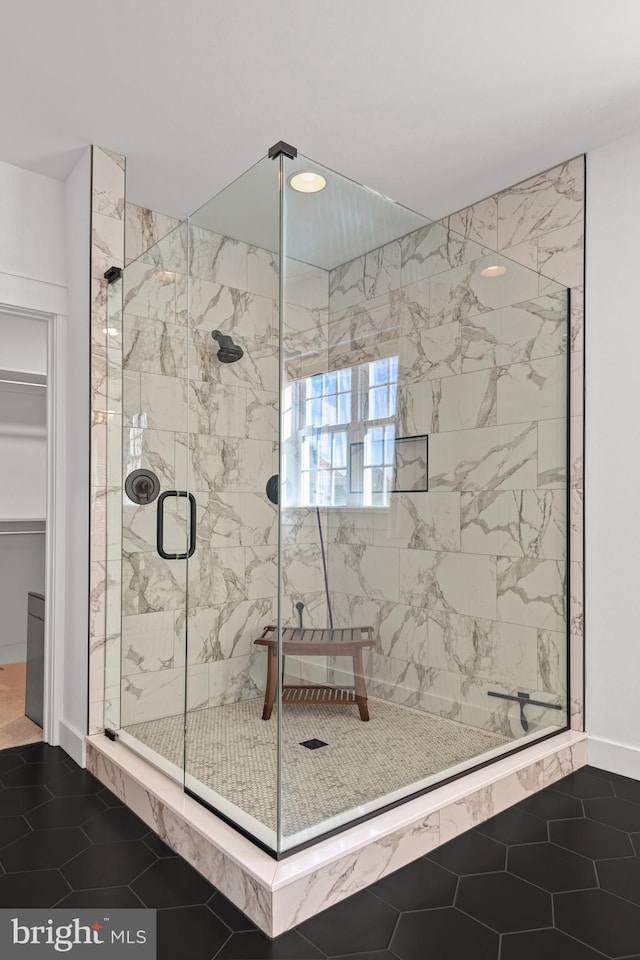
313 744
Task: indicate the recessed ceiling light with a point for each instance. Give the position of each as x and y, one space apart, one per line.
112 331
307 182
496 270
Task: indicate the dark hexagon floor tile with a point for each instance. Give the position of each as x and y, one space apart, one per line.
635 839
471 852
157 846
108 865
606 774
107 897
43 888
442 935
172 883
115 823
191 932
235 919
109 798
376 955
9 761
621 877
43 849
600 920
615 812
75 783
418 886
551 867
504 902
583 784
627 790
11 829
514 826
65 812
591 839
20 800
360 923
257 946
551 805
42 753
34 773
550 944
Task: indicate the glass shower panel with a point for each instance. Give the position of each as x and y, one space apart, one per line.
230 752
423 517
154 505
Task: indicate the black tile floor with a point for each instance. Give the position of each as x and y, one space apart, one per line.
555 877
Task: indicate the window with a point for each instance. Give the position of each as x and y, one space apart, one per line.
338 431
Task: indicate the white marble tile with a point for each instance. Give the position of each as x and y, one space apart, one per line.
305 285
576 606
144 228
158 294
466 401
487 649
152 449
419 521
218 575
464 292
152 346
240 519
461 583
577 682
217 258
108 179
576 518
151 584
366 277
149 696
262 272
366 571
478 222
262 415
467 812
525 253
532 592
524 332
491 458
577 319
224 464
241 315
435 249
163 402
536 390
107 244
147 642
261 572
301 569
230 681
515 523
228 630
561 254
345 525
552 662
430 353
552 454
542 204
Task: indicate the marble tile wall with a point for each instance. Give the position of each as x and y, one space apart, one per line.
107 250
465 585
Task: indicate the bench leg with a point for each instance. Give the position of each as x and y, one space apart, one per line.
361 690
272 676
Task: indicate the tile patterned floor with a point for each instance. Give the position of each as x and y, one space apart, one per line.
557 876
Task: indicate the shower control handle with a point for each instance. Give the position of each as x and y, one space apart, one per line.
160 525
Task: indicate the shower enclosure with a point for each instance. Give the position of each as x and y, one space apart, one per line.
331 415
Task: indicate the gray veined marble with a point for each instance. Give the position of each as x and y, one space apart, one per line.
515 523
226 631
458 582
151 346
492 458
430 353
151 584
434 249
155 293
523 332
477 222
464 292
217 258
366 277
533 391
419 521
245 316
532 592
541 204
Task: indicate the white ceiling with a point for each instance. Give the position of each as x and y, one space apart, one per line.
435 103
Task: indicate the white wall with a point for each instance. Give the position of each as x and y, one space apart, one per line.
612 457
31 225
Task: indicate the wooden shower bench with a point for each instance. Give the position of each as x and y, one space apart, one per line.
306 642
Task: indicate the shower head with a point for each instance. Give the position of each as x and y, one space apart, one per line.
229 351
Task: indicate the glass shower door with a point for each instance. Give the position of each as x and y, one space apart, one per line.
231 454
157 513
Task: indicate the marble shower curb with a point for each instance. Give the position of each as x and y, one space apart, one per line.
278 895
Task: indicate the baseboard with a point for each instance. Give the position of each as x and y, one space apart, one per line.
615 757
72 742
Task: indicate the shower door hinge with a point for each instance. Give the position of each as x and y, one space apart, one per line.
112 274
111 734
282 147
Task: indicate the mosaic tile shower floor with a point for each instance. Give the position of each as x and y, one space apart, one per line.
233 751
